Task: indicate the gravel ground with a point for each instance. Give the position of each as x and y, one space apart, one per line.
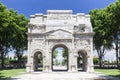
62 76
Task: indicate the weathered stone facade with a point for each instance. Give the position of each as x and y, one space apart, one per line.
60 28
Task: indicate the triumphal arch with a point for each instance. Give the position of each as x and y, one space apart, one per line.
60 28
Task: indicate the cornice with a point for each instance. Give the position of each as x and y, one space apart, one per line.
84 33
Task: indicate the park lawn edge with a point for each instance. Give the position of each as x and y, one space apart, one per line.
8 73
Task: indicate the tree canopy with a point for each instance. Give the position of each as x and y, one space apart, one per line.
106 25
13 27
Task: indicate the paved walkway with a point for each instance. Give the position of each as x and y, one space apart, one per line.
63 76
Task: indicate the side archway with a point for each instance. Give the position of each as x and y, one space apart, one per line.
38 60
82 60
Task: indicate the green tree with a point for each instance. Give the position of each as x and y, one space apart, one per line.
102 39
6 32
106 24
13 28
64 53
20 38
114 11
95 60
55 53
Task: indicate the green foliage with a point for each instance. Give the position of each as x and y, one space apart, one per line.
5 32
106 25
64 52
95 60
25 57
114 10
64 61
40 58
55 53
13 28
20 38
57 62
6 61
99 19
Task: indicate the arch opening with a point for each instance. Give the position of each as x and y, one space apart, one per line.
38 61
82 60
60 58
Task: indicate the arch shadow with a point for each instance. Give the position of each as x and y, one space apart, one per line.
37 60
82 60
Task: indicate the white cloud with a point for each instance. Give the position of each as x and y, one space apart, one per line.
109 54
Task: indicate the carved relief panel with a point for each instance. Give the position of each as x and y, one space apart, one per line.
36 28
38 44
82 44
79 28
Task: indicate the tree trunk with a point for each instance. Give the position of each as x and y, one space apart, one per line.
100 55
19 61
2 60
100 61
18 58
117 57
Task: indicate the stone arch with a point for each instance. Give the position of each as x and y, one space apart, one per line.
59 43
37 56
37 50
66 50
83 54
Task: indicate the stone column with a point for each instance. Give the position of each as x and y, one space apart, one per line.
72 56
69 61
32 63
44 61
90 67
48 56
48 62
28 65
72 61
75 60
91 55
88 62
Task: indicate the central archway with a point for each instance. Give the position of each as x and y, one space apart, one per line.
60 58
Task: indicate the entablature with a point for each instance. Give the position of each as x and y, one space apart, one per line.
36 28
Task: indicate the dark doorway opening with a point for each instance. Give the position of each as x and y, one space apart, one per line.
82 60
38 61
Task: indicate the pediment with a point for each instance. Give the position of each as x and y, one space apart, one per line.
58 30
59 33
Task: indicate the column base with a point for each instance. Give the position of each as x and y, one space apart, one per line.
28 68
47 68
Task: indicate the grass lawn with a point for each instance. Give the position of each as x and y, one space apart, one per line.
10 73
110 72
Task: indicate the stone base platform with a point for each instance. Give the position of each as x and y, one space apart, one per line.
63 76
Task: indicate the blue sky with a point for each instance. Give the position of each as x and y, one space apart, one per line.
28 7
